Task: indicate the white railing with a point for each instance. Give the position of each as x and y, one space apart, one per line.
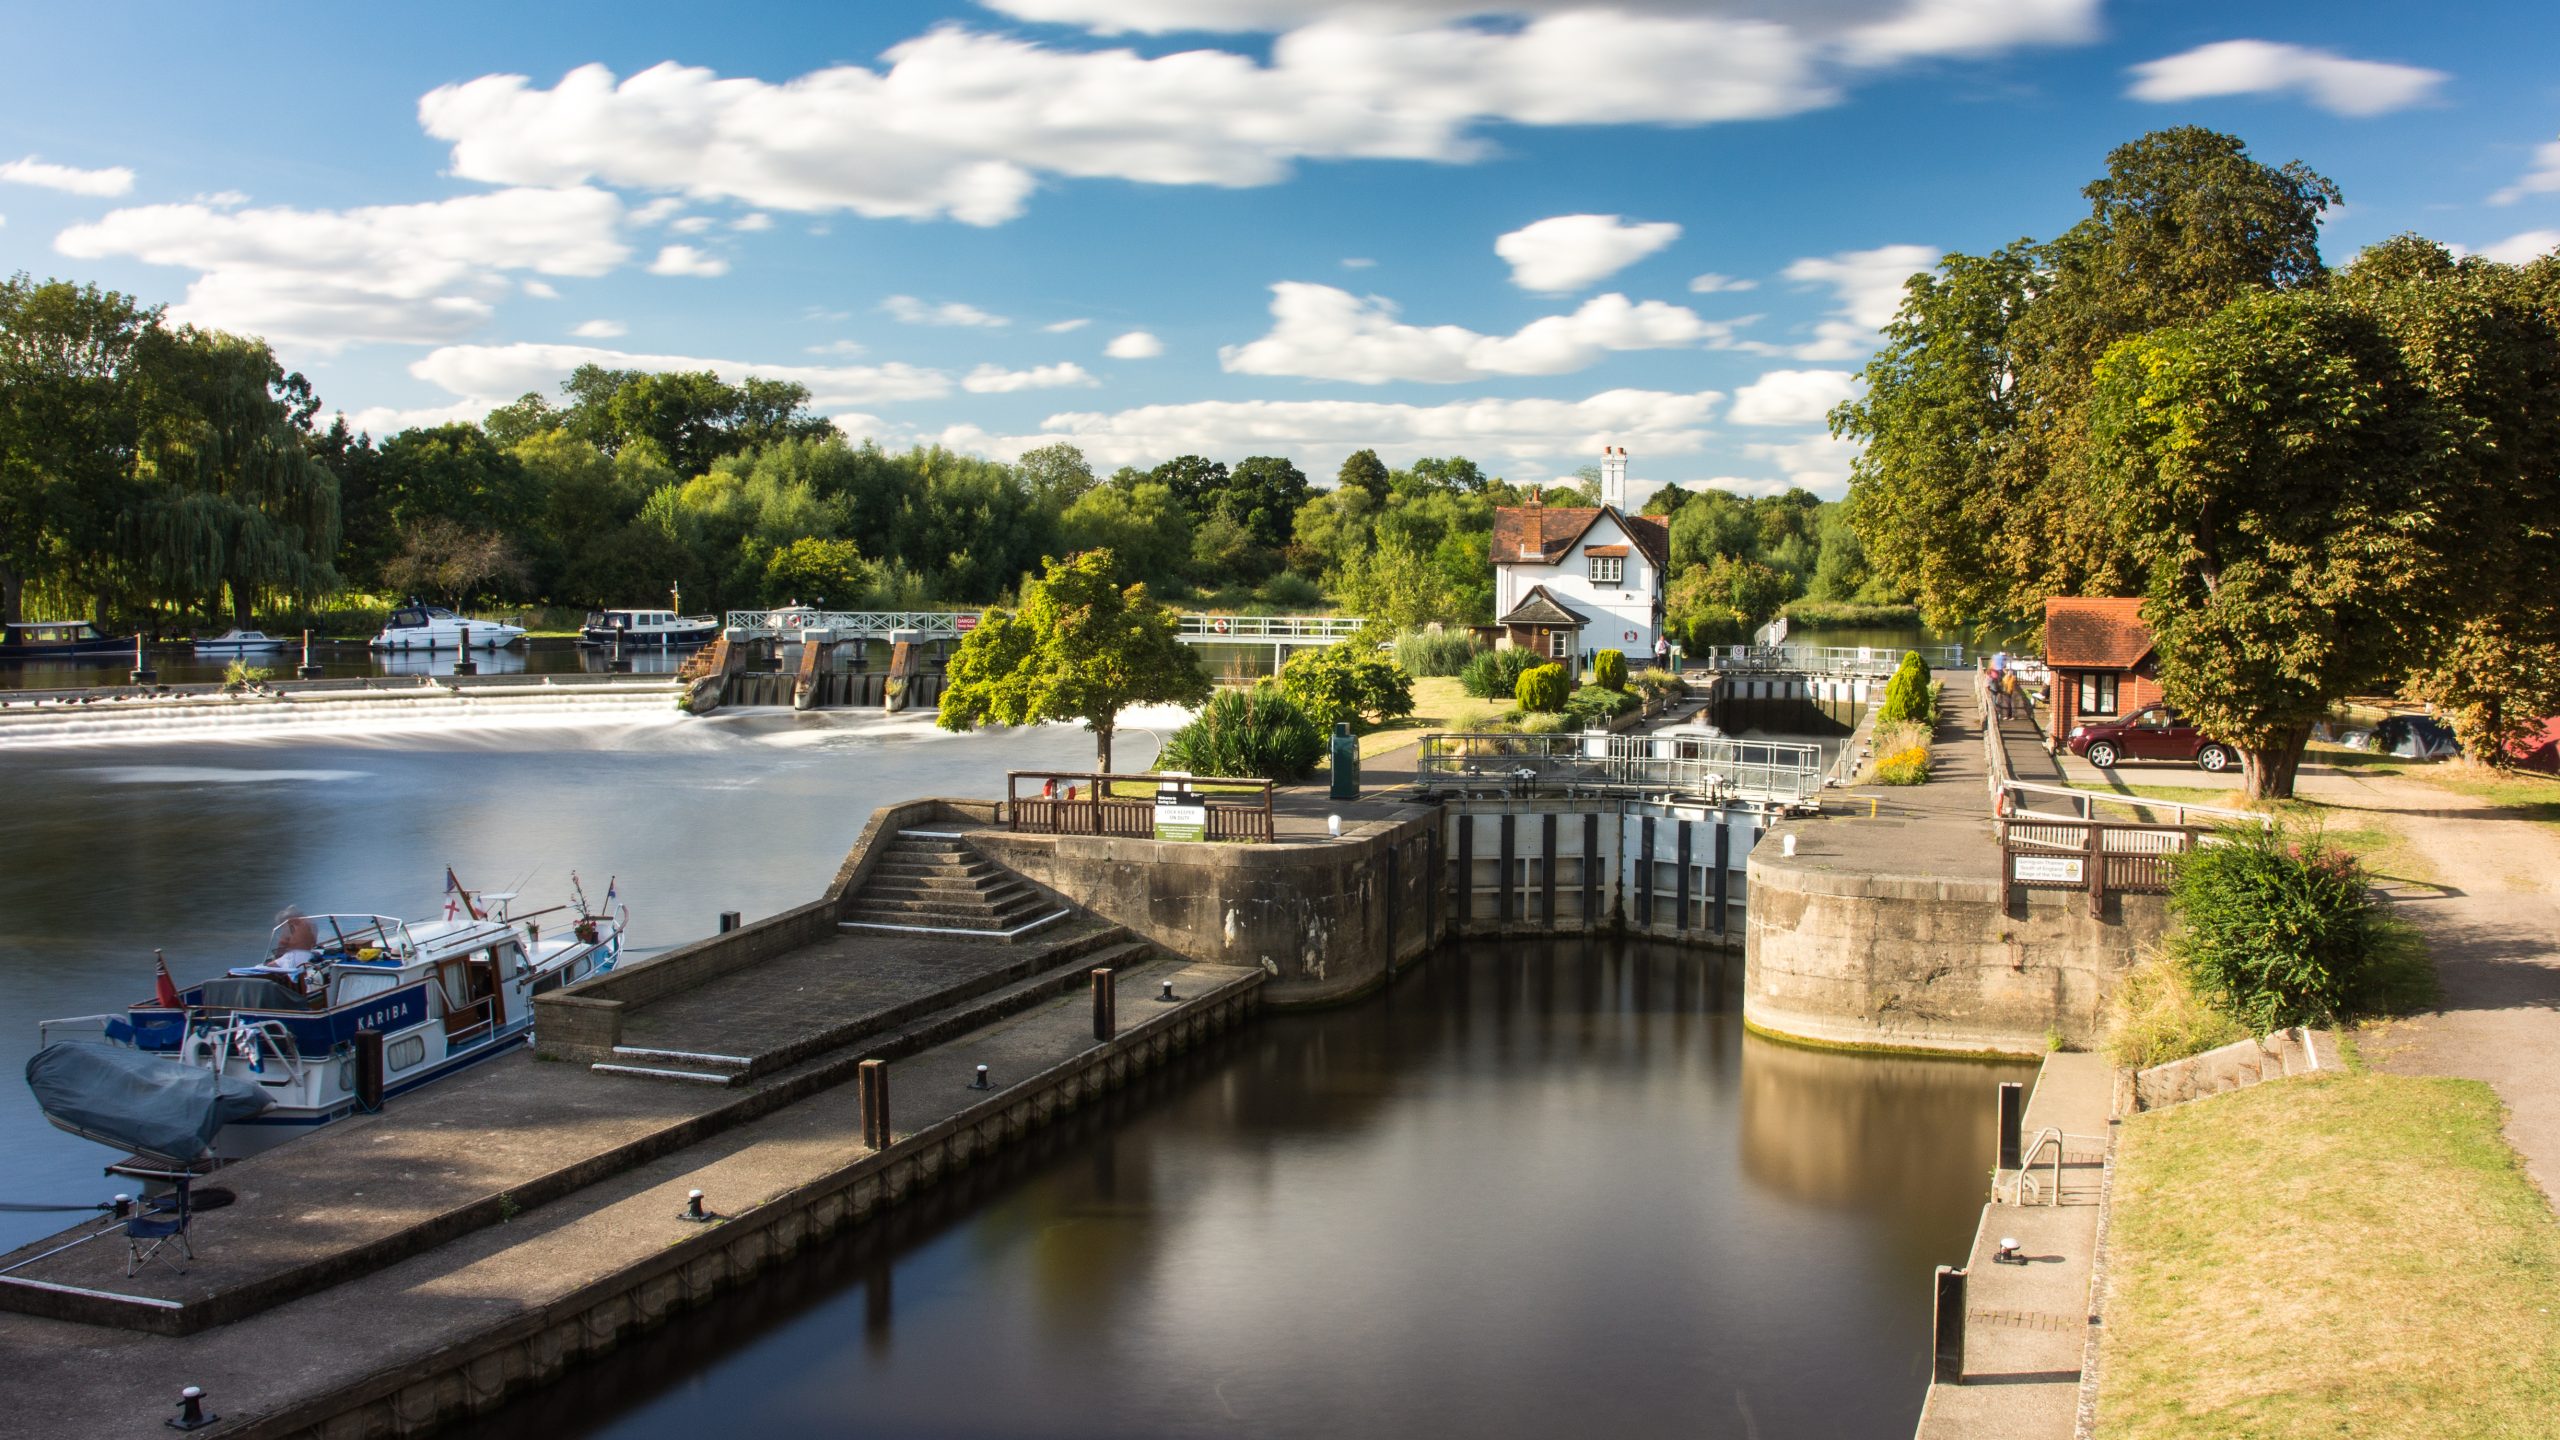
1778 771
1280 629
854 624
1825 659
2084 803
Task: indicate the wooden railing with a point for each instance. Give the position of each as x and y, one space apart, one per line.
1090 803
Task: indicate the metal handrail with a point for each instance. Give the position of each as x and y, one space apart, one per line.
2027 1162
1718 768
2002 781
1270 627
1836 659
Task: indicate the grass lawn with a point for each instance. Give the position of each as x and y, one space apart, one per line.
1438 702
2357 1255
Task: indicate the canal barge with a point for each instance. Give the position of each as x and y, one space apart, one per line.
60 640
349 1011
663 629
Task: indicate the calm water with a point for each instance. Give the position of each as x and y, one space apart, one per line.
1532 1190
1529 1190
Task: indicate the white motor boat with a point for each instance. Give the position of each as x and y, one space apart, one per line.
241 642
419 626
441 995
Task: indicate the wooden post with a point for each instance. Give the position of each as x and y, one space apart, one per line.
369 1070
1106 1019
2097 854
871 1078
2013 1113
1947 1351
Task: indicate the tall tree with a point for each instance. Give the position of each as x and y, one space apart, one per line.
1363 470
68 425
1080 648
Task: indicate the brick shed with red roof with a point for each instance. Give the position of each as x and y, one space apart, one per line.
2100 654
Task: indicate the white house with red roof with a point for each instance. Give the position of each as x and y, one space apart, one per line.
1572 579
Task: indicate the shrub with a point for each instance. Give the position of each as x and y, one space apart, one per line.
1657 684
1907 766
1348 681
2277 929
1545 724
1609 670
1290 590
1495 674
1249 733
1909 695
1593 706
1543 688
1436 652
2157 1016
240 675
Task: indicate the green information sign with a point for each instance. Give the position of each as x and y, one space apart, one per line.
1181 816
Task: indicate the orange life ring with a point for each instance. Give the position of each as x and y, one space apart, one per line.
1218 626
2006 805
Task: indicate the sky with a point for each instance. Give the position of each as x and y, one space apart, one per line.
1515 231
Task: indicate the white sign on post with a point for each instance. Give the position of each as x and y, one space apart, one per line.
2067 869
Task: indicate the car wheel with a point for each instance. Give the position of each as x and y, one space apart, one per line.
2102 755
2214 759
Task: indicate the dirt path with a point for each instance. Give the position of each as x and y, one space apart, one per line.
2493 921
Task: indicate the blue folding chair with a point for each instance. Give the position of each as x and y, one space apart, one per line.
156 1223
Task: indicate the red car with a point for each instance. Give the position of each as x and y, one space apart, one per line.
2153 733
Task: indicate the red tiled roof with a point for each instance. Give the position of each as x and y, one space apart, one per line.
2090 632
1543 534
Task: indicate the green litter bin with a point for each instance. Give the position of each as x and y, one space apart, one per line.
1346 762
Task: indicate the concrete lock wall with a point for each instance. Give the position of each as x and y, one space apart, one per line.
1649 868
1325 919
1926 963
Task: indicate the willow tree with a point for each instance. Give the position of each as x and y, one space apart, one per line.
1080 648
2279 474
1973 492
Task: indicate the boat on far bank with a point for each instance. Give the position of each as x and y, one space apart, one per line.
241 642
420 626
647 628
60 640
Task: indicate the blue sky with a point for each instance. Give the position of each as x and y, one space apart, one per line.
1295 227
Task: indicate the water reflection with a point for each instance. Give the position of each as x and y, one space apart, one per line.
1530 1190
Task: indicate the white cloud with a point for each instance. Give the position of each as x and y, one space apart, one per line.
1567 252
2542 179
538 289
1791 397
837 347
963 124
1135 345
1819 463
383 420
1866 288
658 211
686 260
1536 435
1064 327
224 199
691 224
2517 249
1329 334
996 380
1712 283
908 310
493 374
757 220
1358 262
601 330
1971 27
114 180
2264 67
407 273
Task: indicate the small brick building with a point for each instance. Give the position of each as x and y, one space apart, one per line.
2100 654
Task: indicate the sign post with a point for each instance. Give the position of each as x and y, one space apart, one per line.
1180 812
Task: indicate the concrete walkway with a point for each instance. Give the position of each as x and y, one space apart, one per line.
2027 1326
1941 830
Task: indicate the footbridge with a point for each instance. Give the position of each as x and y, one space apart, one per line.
1823 660
1283 633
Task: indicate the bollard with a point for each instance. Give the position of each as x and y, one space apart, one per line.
143 674
368 1062
2013 1115
981 1083
728 921
462 662
1106 990
191 1412
1948 1351
693 1213
1166 997
307 670
871 1078
621 664
123 1207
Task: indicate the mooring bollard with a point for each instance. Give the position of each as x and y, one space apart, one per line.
123 1206
307 671
2013 1118
143 674
462 662
693 1211
1948 1351
368 1062
191 1412
981 1083
728 921
1165 997
871 1079
1106 1018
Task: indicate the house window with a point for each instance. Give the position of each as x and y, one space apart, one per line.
1608 569
2097 692
1560 644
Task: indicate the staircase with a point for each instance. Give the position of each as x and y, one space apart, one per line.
930 882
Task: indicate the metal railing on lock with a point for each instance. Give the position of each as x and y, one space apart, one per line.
854 624
1779 771
1822 659
1312 629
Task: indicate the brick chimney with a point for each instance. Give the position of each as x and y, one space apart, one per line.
1613 476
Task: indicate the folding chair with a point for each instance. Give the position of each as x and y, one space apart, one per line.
154 1224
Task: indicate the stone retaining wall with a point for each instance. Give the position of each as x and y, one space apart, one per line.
2236 1066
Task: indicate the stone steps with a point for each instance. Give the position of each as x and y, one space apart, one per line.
927 882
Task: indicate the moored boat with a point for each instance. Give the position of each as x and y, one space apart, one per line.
60 640
241 642
440 994
417 625
647 628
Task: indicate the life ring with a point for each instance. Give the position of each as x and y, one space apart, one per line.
1218 626
2006 805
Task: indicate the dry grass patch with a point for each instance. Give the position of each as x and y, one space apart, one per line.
2348 1256
1439 702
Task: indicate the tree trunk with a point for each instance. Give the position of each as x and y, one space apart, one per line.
2268 774
1102 748
13 594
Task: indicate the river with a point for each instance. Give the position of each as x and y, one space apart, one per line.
1530 1189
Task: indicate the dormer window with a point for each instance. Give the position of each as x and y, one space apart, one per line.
1608 569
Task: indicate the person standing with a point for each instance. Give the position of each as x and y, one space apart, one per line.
1662 651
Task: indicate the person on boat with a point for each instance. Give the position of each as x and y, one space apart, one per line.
297 945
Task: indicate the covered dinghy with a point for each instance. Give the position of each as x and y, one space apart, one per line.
142 1102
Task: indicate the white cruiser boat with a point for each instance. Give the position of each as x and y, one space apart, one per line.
241 642
419 626
646 628
181 1077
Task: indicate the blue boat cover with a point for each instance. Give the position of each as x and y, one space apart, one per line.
147 1103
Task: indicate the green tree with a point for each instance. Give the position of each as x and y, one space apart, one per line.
1057 475
1263 494
1140 524
1363 471
454 472
1347 682
1195 482
68 426
1396 587
2279 476
1082 647
819 572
